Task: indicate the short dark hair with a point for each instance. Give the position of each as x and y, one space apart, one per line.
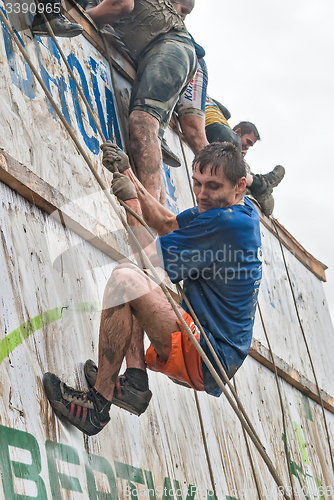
225 155
248 128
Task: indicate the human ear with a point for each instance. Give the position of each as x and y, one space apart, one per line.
241 185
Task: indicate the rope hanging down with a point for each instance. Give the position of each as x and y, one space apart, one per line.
286 442
249 453
305 340
233 388
149 266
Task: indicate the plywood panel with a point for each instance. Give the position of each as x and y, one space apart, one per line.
307 442
57 309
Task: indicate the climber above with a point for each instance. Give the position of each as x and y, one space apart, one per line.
156 38
244 135
215 248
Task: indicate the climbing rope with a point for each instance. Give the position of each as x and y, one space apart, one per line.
305 340
249 453
215 356
185 160
217 378
279 390
232 388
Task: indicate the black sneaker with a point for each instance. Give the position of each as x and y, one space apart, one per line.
59 24
125 396
86 410
268 181
168 156
90 371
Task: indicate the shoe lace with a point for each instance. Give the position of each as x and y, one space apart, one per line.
270 177
79 396
273 176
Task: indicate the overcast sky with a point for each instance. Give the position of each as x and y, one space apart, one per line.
272 63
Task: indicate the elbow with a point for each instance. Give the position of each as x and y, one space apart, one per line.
168 225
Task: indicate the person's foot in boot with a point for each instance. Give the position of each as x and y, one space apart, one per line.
59 24
86 410
131 389
262 184
266 203
168 156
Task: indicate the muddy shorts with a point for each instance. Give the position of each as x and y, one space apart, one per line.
184 363
192 100
164 70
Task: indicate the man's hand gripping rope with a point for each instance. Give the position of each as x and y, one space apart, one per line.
117 162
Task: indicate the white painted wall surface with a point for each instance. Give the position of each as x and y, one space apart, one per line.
45 267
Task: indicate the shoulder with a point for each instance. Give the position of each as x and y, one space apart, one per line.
237 216
187 216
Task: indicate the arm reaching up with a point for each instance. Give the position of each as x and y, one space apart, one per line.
154 214
123 189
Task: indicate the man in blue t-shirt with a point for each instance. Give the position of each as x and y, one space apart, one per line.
215 248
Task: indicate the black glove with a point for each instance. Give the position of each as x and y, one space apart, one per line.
122 187
114 159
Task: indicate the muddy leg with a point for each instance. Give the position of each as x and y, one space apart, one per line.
146 150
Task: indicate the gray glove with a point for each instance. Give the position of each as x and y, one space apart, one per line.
122 187
114 159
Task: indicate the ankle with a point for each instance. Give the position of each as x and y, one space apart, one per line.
137 378
101 401
104 392
256 184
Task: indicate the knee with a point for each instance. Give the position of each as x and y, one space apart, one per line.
125 273
122 270
120 278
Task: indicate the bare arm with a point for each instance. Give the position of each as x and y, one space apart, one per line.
110 11
142 235
154 214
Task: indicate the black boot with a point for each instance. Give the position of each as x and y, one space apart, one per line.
263 184
168 156
131 389
59 24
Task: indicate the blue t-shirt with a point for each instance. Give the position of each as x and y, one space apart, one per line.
218 255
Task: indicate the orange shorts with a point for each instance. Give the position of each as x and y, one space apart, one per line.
184 362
